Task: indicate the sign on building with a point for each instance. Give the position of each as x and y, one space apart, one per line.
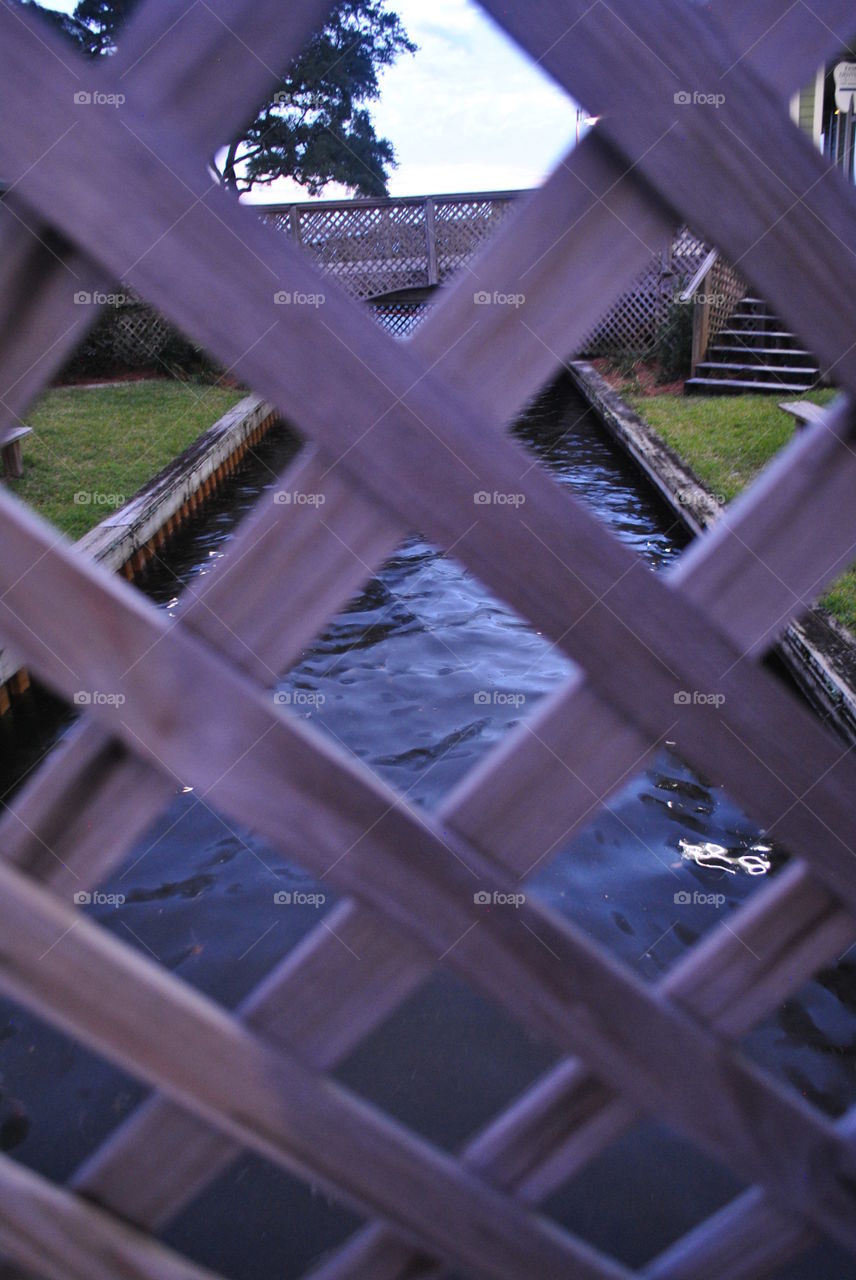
845 86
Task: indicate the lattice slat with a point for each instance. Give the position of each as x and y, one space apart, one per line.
428 410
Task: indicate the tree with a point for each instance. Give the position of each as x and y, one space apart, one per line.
64 23
315 127
100 20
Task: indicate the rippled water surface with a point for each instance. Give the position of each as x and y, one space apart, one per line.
419 678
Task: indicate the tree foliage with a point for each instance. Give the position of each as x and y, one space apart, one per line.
316 126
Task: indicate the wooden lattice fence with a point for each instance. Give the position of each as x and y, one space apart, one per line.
400 436
714 292
636 320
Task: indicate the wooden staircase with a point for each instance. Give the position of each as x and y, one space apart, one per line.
755 353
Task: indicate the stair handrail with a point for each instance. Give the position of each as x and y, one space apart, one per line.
695 295
711 307
698 279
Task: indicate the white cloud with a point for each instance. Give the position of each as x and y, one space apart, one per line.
469 111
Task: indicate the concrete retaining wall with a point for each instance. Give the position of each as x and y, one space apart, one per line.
818 654
129 537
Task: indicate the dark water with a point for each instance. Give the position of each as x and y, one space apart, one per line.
420 677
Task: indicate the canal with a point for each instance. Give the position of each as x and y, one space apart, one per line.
419 678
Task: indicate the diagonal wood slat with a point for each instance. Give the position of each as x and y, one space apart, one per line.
803 199
604 566
513 960
463 346
683 1056
40 272
55 1233
434 415
283 1111
785 43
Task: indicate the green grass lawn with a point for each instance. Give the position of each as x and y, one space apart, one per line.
727 440
108 441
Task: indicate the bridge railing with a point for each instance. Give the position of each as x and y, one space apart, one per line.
380 247
395 248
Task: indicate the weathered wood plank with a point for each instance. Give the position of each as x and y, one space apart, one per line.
776 203
62 828
619 703
785 44
492 543
171 51
393 443
64 1238
585 235
74 972
344 979
747 1240
733 977
784 540
41 273
288 777
262 607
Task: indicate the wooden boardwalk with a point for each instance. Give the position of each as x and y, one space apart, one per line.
402 436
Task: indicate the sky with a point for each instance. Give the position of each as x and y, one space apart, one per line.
468 112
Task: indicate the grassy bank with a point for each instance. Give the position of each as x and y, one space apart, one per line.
727 440
92 449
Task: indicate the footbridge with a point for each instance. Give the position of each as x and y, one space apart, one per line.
394 253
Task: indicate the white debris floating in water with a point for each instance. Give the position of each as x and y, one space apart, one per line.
755 860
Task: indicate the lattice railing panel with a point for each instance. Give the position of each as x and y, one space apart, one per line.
400 319
635 322
391 245
405 433
462 228
724 287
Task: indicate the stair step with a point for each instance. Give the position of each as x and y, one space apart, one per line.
733 386
756 333
754 317
773 369
792 353
742 307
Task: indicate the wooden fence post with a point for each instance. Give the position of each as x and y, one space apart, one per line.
431 242
294 223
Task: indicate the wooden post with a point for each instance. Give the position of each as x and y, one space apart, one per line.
431 242
294 223
13 461
701 331
10 445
